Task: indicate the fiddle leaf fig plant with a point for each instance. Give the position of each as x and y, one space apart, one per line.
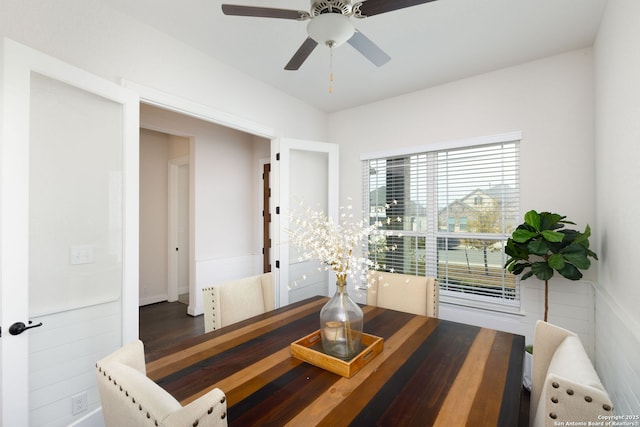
541 246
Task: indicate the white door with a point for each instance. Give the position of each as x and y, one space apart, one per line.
308 171
68 234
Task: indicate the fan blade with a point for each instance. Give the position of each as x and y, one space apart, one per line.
368 48
264 12
301 54
375 7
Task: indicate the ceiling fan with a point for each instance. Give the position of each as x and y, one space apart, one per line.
330 24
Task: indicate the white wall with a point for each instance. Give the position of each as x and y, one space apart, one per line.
154 155
617 92
550 101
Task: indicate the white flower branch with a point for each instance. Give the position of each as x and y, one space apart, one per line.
336 245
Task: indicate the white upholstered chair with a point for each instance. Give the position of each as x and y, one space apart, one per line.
404 292
236 300
565 385
129 398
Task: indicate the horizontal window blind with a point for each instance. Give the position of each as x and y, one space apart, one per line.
450 213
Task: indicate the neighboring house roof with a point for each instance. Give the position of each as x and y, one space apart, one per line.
464 205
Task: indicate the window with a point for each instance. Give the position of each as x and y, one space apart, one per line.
458 206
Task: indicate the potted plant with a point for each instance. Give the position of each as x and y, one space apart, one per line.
541 246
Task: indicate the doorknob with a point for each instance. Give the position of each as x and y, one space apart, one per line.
19 327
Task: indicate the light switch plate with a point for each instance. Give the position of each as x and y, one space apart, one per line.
82 254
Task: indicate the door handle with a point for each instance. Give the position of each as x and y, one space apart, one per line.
19 327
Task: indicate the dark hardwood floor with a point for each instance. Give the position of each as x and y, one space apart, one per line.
524 407
166 323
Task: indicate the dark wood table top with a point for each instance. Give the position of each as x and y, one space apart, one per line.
431 372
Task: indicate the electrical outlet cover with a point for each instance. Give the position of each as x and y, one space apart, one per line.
79 403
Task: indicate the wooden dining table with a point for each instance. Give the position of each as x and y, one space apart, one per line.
430 372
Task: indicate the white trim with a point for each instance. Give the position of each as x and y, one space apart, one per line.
154 299
445 145
73 307
203 112
281 191
180 105
480 303
131 217
92 419
172 223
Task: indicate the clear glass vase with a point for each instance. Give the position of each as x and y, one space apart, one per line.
341 325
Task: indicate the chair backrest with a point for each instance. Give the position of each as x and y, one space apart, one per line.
268 291
236 300
565 385
129 398
404 292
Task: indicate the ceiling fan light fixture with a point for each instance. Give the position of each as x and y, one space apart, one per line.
331 29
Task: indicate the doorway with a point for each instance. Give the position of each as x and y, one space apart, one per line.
164 216
222 238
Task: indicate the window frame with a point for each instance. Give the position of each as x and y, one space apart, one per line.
475 300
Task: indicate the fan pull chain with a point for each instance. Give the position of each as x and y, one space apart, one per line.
330 67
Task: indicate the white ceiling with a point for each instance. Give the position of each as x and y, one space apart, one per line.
430 44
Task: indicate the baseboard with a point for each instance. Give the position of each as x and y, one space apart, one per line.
92 419
152 300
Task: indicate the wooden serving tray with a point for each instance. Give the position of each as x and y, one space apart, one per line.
309 349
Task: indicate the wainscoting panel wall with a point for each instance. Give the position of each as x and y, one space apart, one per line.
88 333
617 361
572 306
